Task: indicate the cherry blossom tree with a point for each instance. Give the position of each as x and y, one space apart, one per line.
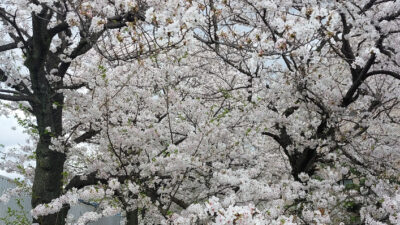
41 40
210 112
325 75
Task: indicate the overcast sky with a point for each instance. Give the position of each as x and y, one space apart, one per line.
10 137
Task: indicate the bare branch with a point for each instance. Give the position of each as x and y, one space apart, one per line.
179 202
72 86
390 17
9 46
78 182
86 136
9 91
383 72
59 28
15 98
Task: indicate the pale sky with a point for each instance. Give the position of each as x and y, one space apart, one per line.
10 137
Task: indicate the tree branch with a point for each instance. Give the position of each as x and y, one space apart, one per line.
59 28
72 86
20 87
86 136
383 72
367 6
348 98
346 48
179 202
390 17
9 46
15 98
78 182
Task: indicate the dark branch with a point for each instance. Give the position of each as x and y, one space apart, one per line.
78 182
59 28
361 76
179 202
20 87
72 86
15 98
390 17
8 46
346 48
367 6
383 72
86 136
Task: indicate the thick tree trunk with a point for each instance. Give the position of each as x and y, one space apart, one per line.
303 163
48 180
132 217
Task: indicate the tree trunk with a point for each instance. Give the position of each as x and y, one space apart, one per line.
48 180
132 217
303 163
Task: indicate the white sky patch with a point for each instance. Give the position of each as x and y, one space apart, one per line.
10 132
11 135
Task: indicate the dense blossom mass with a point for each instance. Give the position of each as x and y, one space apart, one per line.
205 111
